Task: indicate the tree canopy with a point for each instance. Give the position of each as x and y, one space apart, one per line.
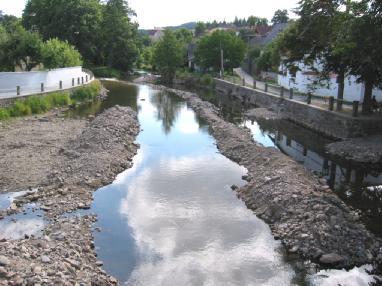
168 56
209 48
280 16
59 54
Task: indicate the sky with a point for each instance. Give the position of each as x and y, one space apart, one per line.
160 13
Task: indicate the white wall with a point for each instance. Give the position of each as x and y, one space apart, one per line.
304 80
30 82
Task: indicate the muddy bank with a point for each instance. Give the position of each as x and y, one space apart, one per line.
71 159
301 210
367 150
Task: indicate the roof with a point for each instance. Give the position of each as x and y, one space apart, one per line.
265 39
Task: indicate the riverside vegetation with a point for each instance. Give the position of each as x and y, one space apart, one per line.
40 104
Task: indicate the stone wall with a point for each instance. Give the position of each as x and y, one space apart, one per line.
329 123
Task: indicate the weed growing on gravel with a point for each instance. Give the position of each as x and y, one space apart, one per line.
4 114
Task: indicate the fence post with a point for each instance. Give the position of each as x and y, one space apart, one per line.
254 83
42 87
291 93
86 78
282 91
355 108
82 80
331 103
18 90
243 81
309 99
72 81
78 81
266 87
60 84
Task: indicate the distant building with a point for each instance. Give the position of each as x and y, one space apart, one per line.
156 34
266 34
305 80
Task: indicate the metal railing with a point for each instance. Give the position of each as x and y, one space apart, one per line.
328 102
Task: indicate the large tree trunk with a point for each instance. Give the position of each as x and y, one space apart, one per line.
366 107
341 89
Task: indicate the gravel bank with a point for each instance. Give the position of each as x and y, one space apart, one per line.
70 159
301 210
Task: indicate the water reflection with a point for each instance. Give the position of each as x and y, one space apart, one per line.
30 222
349 180
173 220
7 199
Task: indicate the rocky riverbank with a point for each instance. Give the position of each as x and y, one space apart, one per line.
301 209
367 150
66 159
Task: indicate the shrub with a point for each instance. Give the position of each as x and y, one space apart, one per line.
89 92
59 99
19 108
207 79
4 114
107 72
38 104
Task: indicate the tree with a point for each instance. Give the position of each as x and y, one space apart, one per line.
59 54
366 58
19 48
120 36
168 56
280 16
75 21
209 47
200 29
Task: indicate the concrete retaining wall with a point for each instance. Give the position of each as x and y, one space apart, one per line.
30 82
329 123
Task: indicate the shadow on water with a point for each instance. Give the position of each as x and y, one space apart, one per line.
360 186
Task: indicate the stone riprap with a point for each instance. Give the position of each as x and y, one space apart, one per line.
98 150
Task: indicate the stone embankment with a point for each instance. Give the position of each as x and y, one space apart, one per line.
302 211
367 150
68 159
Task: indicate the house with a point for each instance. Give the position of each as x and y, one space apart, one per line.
266 34
156 34
306 80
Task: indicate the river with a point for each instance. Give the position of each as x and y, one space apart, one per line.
172 219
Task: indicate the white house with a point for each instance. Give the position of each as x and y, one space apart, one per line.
304 81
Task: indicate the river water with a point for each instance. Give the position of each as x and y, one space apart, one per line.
172 218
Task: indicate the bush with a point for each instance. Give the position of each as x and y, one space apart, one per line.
19 108
4 114
89 92
107 72
59 99
206 79
38 104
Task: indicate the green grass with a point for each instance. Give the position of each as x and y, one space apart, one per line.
40 104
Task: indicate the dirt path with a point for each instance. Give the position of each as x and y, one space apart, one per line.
301 210
67 159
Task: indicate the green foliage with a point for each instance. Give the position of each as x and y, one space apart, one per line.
269 60
78 22
100 30
280 16
37 104
200 29
60 54
106 72
19 47
4 114
120 36
209 47
168 56
58 99
19 108
87 93
207 79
